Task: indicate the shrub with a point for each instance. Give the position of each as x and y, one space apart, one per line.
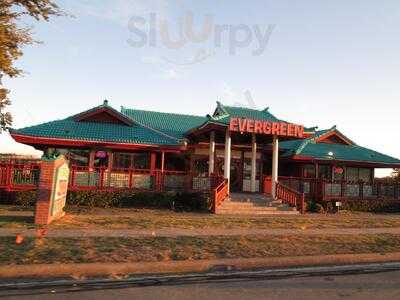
374 205
166 200
26 198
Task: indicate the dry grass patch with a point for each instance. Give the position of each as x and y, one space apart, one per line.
90 250
145 219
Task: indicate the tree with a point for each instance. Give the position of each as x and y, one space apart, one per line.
13 37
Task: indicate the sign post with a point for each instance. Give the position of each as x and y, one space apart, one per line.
53 188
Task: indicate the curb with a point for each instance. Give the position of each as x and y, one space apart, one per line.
193 266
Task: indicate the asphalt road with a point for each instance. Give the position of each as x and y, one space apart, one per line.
366 286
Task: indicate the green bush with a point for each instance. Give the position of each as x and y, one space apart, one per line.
25 198
375 205
166 200
314 206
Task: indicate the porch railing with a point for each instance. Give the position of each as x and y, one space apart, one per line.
219 191
326 190
291 197
18 176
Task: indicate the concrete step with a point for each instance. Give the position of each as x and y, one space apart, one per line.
256 212
254 204
235 205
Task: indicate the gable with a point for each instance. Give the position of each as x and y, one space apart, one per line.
333 137
103 114
101 117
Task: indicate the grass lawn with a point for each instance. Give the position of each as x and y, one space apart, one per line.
154 219
89 250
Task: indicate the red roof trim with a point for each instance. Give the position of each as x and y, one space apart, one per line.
32 140
118 116
329 134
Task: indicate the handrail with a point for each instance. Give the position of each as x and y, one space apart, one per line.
291 197
219 193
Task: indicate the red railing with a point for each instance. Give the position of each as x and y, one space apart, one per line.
84 178
219 191
17 176
291 197
327 190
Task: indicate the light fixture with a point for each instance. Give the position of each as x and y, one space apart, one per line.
330 153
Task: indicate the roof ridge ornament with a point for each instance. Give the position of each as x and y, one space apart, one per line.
105 102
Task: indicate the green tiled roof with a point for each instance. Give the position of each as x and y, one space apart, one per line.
175 125
346 152
224 113
310 148
104 132
94 131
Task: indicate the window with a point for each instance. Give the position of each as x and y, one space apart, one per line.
325 172
141 161
200 167
359 174
352 174
131 160
338 173
174 162
365 174
100 159
122 160
78 157
309 171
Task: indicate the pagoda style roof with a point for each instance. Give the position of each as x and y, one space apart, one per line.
224 113
93 126
315 148
129 127
172 124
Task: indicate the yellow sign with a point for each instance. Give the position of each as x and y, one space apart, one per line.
60 189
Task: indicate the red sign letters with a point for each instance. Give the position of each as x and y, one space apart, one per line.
266 127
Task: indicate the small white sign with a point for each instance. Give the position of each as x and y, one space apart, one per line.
338 203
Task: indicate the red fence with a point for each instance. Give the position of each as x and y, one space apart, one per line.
14 177
326 190
84 178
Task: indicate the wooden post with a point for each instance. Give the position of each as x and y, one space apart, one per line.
91 159
227 158
211 153
253 163
275 162
153 157
162 161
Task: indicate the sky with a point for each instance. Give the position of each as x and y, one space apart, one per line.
323 63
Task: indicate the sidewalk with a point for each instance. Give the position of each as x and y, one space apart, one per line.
175 232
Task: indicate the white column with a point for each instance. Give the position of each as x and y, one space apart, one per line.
275 159
253 162
162 161
227 162
211 153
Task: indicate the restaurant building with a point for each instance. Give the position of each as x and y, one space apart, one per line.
233 150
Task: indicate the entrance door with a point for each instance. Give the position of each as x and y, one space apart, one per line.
236 174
